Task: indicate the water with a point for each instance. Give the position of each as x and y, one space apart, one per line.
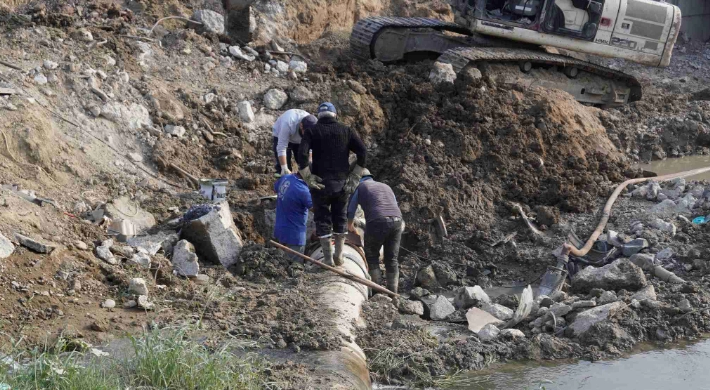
673 165
683 367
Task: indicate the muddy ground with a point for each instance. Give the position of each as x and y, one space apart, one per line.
467 151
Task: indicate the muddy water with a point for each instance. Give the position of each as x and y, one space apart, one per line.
683 367
673 165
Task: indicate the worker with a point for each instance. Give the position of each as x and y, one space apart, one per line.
331 180
384 227
293 200
287 131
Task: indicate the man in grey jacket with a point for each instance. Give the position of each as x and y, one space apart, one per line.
287 132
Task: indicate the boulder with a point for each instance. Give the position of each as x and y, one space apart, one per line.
621 274
184 259
488 333
514 334
348 102
215 236
586 319
478 318
427 278
411 307
498 311
442 73
648 292
301 94
6 247
35 245
212 21
467 297
125 209
437 307
634 246
138 286
246 114
275 99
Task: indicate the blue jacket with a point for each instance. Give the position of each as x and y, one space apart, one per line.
292 204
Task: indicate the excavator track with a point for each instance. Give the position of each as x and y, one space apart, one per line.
462 52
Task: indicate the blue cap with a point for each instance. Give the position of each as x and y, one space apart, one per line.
309 121
327 107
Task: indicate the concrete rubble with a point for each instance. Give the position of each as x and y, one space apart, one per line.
35 245
621 274
6 247
215 236
138 286
184 259
437 307
477 319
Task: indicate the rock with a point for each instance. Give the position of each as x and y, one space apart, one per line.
621 274
40 79
212 22
437 307
382 298
34 245
6 247
663 226
301 94
607 297
419 292
586 319
281 67
411 307
245 112
488 333
442 73
201 279
634 246
684 306
664 209
184 259
104 253
698 264
108 304
663 256
236 52
478 318
130 304
133 116
545 301
176 131
125 209
357 87
558 296
275 99
297 66
643 260
653 189
584 304
142 259
498 311
135 157
215 236
143 303
514 334
83 35
427 278
648 292
137 286
560 309
51 65
467 297
81 245
154 243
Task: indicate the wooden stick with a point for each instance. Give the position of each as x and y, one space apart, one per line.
172 17
184 173
9 65
346 275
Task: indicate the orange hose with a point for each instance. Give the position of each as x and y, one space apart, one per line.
570 249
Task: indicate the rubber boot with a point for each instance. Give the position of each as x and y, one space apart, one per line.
338 254
393 281
376 275
327 251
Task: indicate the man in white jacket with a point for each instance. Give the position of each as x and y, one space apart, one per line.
287 132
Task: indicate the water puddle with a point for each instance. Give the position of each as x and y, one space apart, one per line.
682 367
673 165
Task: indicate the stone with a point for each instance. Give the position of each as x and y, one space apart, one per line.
298 66
275 99
236 52
201 279
643 260
104 253
246 114
437 307
176 131
142 259
607 297
382 298
108 304
558 296
586 319
133 116
419 292
130 304
135 157
685 306
473 73
427 278
51 65
498 311
514 334
584 304
442 73
348 102
153 243
634 246
467 297
125 209
663 255
357 87
545 301
6 247
698 264
215 236
301 94
35 245
664 209
621 274
143 303
542 311
488 333
411 307
83 35
212 21
667 227
560 309
184 259
81 245
478 318
40 79
138 286
281 66
648 292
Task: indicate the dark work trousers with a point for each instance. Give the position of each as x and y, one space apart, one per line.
292 150
385 232
330 208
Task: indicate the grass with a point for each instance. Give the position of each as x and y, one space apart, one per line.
157 360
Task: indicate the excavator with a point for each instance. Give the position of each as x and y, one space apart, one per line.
549 41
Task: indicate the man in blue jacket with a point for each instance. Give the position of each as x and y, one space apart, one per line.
292 203
384 227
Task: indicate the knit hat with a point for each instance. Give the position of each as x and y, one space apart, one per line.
308 122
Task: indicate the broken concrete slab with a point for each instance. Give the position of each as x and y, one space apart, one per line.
589 318
437 307
154 243
6 247
127 210
35 245
215 236
467 297
621 274
185 260
478 318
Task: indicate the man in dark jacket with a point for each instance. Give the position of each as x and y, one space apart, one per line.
331 180
384 227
